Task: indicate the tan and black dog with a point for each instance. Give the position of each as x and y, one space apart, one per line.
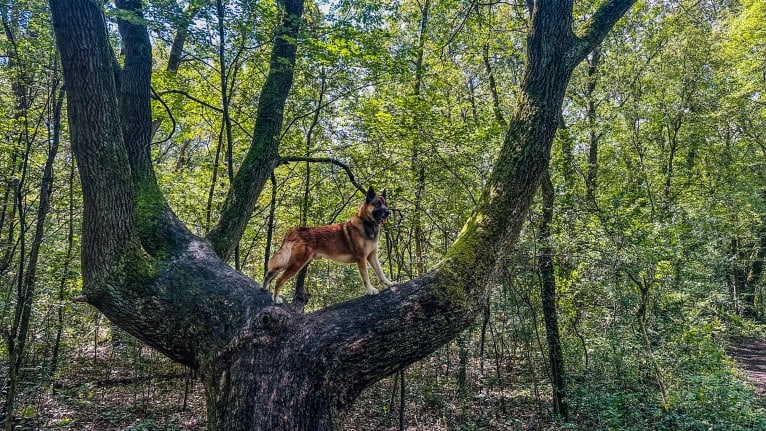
355 241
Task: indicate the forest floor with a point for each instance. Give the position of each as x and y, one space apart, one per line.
100 392
750 356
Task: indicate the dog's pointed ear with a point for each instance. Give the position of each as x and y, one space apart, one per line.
370 195
383 193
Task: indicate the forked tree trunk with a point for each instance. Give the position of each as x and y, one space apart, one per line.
266 366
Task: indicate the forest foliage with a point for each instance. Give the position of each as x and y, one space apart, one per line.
659 220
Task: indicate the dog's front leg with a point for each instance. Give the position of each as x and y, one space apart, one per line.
362 264
373 258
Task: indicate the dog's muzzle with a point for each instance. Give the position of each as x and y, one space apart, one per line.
383 216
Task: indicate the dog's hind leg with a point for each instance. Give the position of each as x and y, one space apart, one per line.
268 277
293 268
293 256
277 263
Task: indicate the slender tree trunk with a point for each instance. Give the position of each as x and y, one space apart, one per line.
673 128
225 98
492 86
65 275
302 296
754 275
418 167
6 217
270 223
213 182
483 339
591 178
179 40
548 294
28 276
15 342
756 267
57 109
642 317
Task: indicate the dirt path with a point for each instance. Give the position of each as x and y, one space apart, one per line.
750 354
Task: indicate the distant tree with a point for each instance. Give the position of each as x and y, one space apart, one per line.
266 366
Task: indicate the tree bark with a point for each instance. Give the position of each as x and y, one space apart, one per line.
548 295
179 40
267 366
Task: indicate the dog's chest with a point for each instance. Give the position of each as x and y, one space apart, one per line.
371 231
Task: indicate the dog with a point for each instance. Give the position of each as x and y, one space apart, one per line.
355 241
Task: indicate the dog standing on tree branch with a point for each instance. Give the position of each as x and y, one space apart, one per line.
355 241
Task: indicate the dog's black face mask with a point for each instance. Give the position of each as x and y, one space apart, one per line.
380 211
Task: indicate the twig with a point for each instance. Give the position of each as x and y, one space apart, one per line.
345 167
157 97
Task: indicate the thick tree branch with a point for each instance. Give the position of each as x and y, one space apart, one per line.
599 26
88 73
179 40
159 228
262 156
169 296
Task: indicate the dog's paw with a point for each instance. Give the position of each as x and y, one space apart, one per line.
372 291
277 299
390 284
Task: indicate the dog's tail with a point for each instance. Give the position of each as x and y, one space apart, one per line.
278 262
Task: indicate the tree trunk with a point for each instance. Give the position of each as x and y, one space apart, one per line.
266 366
548 294
492 86
179 40
225 101
418 167
591 178
754 275
65 275
641 315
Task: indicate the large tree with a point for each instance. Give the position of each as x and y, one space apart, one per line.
266 366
